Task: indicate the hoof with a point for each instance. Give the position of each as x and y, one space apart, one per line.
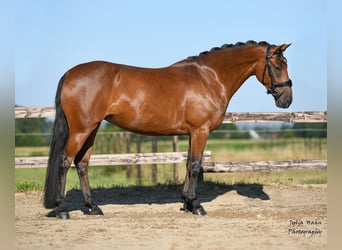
59 214
194 207
199 211
187 207
92 209
63 215
184 210
96 211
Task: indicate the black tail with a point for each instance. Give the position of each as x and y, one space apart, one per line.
60 134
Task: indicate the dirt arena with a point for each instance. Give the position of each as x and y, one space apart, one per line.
239 217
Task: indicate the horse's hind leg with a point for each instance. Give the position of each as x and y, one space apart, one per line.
61 210
82 163
73 146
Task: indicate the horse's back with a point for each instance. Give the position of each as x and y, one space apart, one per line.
144 100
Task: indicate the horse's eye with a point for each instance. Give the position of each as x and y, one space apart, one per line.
277 67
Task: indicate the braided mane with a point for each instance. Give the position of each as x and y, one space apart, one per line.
224 46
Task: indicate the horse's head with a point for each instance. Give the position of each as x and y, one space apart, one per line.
272 72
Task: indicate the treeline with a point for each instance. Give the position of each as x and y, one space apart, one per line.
33 132
298 130
306 130
37 131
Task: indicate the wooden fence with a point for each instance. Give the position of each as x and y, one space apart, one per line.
232 117
180 157
117 159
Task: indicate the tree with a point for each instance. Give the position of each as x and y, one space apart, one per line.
230 131
309 130
29 132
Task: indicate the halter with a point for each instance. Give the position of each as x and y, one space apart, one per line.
273 84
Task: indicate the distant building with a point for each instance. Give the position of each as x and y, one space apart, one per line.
254 135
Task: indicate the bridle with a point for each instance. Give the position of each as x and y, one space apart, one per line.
270 73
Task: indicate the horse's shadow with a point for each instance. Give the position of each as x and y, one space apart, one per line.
159 194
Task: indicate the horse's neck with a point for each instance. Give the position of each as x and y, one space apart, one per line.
234 67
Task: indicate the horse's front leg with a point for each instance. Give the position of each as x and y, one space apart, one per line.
190 188
194 164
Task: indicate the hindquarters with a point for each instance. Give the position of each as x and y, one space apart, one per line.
85 97
78 116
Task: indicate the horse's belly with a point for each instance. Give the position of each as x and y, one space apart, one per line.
148 123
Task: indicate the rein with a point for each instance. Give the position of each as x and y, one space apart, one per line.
270 73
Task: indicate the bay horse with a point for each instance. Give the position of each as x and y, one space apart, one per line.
189 97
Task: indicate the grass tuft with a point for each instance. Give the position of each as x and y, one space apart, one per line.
28 186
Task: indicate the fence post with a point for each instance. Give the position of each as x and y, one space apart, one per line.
138 139
154 166
102 143
128 150
320 147
175 165
108 143
114 143
121 142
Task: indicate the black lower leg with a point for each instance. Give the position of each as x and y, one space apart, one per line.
61 210
63 170
82 169
189 196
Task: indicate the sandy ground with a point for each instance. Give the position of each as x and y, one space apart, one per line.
239 217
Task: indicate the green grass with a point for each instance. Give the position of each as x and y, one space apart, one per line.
33 179
228 150
294 177
222 150
28 186
267 149
99 177
31 151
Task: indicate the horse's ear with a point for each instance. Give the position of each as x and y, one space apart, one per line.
280 49
283 47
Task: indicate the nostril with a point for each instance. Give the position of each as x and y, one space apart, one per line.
275 93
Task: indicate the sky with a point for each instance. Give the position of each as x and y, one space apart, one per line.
53 36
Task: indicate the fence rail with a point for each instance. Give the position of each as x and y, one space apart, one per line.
181 157
231 117
264 166
117 159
